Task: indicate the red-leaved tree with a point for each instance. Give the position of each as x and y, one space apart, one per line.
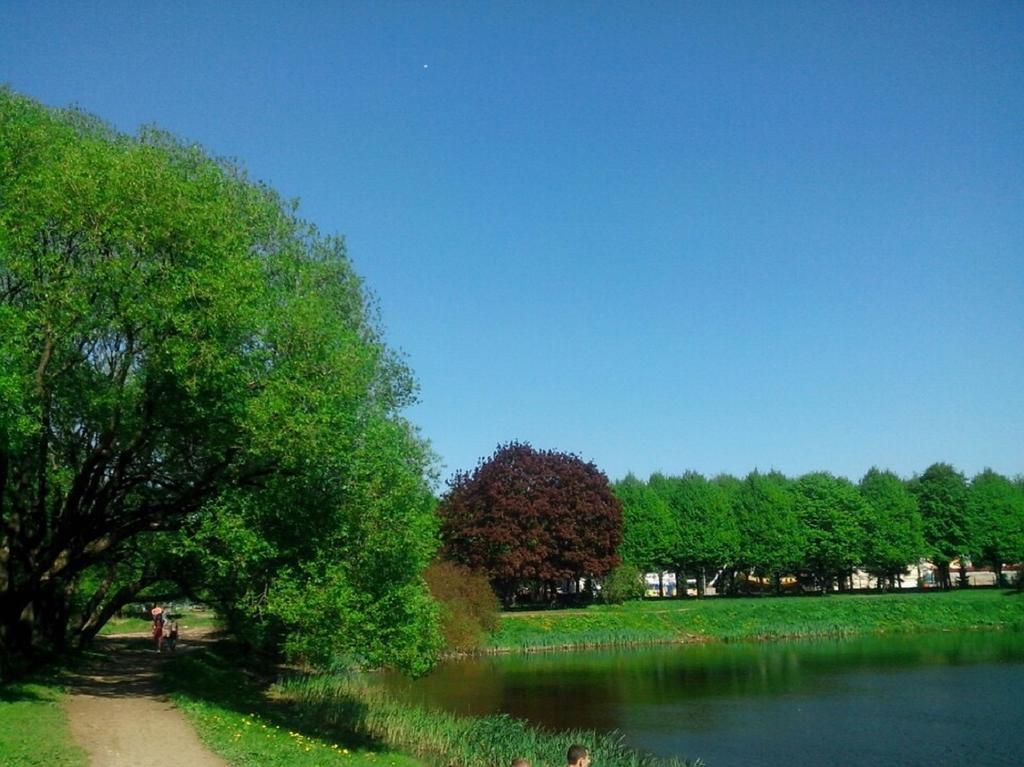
531 516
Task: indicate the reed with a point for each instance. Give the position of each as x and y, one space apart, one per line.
439 737
229 712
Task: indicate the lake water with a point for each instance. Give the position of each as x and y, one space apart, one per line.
922 700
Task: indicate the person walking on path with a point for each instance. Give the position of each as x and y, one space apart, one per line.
158 626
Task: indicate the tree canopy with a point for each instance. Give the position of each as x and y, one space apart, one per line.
941 493
832 514
707 536
995 521
772 538
650 535
894 528
190 373
526 515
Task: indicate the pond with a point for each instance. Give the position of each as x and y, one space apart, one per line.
927 699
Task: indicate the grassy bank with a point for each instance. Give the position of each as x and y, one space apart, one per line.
231 714
655 621
317 721
443 738
34 728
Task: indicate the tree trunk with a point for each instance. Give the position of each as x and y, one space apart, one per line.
701 582
98 619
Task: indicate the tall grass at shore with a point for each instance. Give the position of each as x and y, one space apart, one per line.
227 707
720 619
440 737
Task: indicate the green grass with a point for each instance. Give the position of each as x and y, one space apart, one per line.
320 721
198 619
231 715
448 739
653 621
34 728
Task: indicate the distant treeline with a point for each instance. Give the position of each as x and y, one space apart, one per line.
819 528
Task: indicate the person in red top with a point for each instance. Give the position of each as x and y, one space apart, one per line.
158 626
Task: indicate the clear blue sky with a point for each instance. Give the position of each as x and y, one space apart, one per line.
714 236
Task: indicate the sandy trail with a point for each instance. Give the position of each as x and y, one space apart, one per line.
119 714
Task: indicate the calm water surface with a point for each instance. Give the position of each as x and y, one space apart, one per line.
923 700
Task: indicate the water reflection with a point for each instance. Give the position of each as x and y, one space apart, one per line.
922 697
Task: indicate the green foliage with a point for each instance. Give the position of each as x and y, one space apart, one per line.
469 608
995 520
708 536
624 584
941 494
894 527
771 539
833 518
650 534
194 387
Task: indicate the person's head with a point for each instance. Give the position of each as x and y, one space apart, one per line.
578 756
520 762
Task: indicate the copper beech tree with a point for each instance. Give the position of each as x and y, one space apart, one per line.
529 517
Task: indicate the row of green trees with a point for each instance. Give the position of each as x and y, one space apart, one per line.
820 527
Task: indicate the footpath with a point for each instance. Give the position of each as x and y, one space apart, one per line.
119 713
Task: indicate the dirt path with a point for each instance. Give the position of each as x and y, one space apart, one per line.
118 713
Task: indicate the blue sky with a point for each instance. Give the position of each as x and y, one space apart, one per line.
663 236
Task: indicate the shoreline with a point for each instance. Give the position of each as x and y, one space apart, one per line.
652 622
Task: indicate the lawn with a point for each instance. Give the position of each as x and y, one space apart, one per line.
34 728
755 618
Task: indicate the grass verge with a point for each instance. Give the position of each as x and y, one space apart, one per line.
654 621
34 727
233 717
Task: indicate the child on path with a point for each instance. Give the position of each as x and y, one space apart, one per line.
172 635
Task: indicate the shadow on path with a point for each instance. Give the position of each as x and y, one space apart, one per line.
118 710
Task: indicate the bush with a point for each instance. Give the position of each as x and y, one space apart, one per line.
625 583
469 608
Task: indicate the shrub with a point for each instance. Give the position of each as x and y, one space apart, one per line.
625 583
469 608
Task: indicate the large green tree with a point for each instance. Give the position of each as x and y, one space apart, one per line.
771 539
708 537
995 521
833 518
894 528
179 352
941 493
649 532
